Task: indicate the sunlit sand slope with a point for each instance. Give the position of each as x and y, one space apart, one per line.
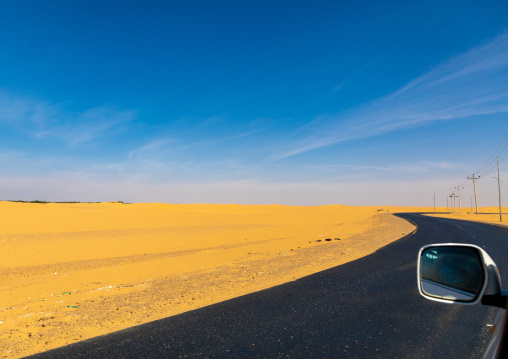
485 214
74 271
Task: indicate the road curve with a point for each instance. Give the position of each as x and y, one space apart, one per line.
368 308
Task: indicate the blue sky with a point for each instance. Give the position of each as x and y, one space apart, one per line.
289 102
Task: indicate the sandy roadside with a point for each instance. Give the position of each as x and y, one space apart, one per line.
74 271
488 215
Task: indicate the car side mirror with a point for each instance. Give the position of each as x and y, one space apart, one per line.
456 273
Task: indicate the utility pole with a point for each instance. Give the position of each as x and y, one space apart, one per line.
434 201
499 188
475 197
446 203
458 187
452 202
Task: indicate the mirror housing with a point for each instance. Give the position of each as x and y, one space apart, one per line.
457 273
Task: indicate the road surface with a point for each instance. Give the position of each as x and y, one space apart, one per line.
368 308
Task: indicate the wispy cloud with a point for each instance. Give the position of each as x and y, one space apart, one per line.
470 84
422 167
17 110
168 158
95 123
221 139
152 149
41 119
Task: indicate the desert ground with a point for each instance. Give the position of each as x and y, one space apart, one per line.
485 214
70 272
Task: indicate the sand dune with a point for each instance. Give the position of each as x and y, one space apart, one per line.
74 271
486 214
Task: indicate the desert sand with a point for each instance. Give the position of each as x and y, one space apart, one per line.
70 272
485 214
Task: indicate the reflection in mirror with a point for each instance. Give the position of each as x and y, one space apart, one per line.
451 272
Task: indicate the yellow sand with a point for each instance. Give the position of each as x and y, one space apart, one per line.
485 214
70 272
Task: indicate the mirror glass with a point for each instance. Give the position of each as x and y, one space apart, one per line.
451 272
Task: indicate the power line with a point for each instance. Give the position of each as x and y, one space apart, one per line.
492 155
469 185
493 166
487 166
493 162
503 158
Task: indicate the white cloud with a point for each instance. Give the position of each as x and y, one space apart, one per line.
21 111
151 149
96 122
473 83
221 139
40 119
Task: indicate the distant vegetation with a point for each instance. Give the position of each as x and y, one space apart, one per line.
44 202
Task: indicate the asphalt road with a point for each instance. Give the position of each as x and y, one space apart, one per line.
368 308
